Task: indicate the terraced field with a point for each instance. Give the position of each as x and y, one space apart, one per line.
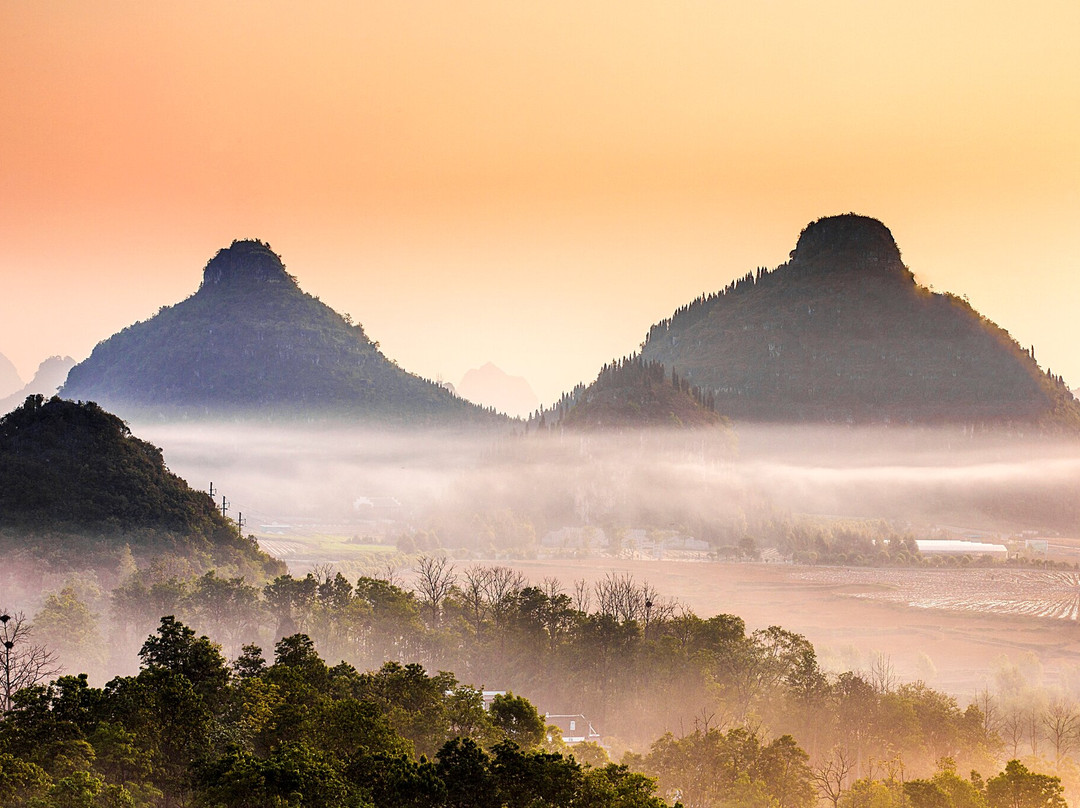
1033 593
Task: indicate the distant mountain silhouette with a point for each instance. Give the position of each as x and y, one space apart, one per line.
631 394
49 377
842 333
249 342
489 386
77 487
10 380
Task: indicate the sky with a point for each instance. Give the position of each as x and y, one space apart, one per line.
530 184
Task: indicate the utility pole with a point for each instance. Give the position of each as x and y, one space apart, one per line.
224 505
240 525
211 489
8 645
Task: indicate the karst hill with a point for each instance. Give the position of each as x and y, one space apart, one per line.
76 487
632 394
842 333
251 343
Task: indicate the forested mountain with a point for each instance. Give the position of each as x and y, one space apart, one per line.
251 342
842 333
633 393
77 487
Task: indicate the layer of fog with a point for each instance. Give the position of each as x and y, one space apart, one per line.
386 482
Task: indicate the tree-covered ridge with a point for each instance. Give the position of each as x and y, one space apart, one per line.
633 661
842 333
191 729
72 477
251 342
632 393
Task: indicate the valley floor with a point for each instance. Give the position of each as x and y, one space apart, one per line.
954 629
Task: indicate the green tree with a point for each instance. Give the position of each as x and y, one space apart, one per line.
1017 787
517 720
177 650
67 626
292 776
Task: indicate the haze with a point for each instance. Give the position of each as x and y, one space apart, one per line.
532 185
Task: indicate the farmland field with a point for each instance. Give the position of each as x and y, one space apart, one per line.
1054 594
953 628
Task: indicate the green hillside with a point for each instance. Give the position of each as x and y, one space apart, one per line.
251 342
75 484
634 394
842 333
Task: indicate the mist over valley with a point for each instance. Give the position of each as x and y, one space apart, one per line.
818 505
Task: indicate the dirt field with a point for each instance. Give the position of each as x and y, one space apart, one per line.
954 636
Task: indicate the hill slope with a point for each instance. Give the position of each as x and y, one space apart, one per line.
250 342
73 476
634 394
842 333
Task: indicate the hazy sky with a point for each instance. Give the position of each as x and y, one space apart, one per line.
535 183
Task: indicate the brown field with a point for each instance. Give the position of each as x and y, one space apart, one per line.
951 628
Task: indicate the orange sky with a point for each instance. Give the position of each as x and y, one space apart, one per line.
532 184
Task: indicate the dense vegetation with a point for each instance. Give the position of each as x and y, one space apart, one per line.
631 393
189 729
725 717
76 487
251 342
842 333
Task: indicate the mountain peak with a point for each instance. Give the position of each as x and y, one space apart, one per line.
245 263
252 343
848 243
841 333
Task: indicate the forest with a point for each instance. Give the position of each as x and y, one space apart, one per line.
373 696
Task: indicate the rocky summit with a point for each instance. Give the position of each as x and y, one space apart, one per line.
842 333
250 343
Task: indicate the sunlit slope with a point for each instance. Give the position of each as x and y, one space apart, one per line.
75 483
842 333
250 341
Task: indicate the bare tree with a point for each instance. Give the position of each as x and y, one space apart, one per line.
23 663
621 597
388 571
832 775
1034 725
1012 730
882 676
991 715
1061 722
323 573
434 580
552 587
502 587
582 596
473 593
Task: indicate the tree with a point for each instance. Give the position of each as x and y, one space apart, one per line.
831 775
67 625
1061 722
518 720
176 649
1017 787
435 580
292 776
23 663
